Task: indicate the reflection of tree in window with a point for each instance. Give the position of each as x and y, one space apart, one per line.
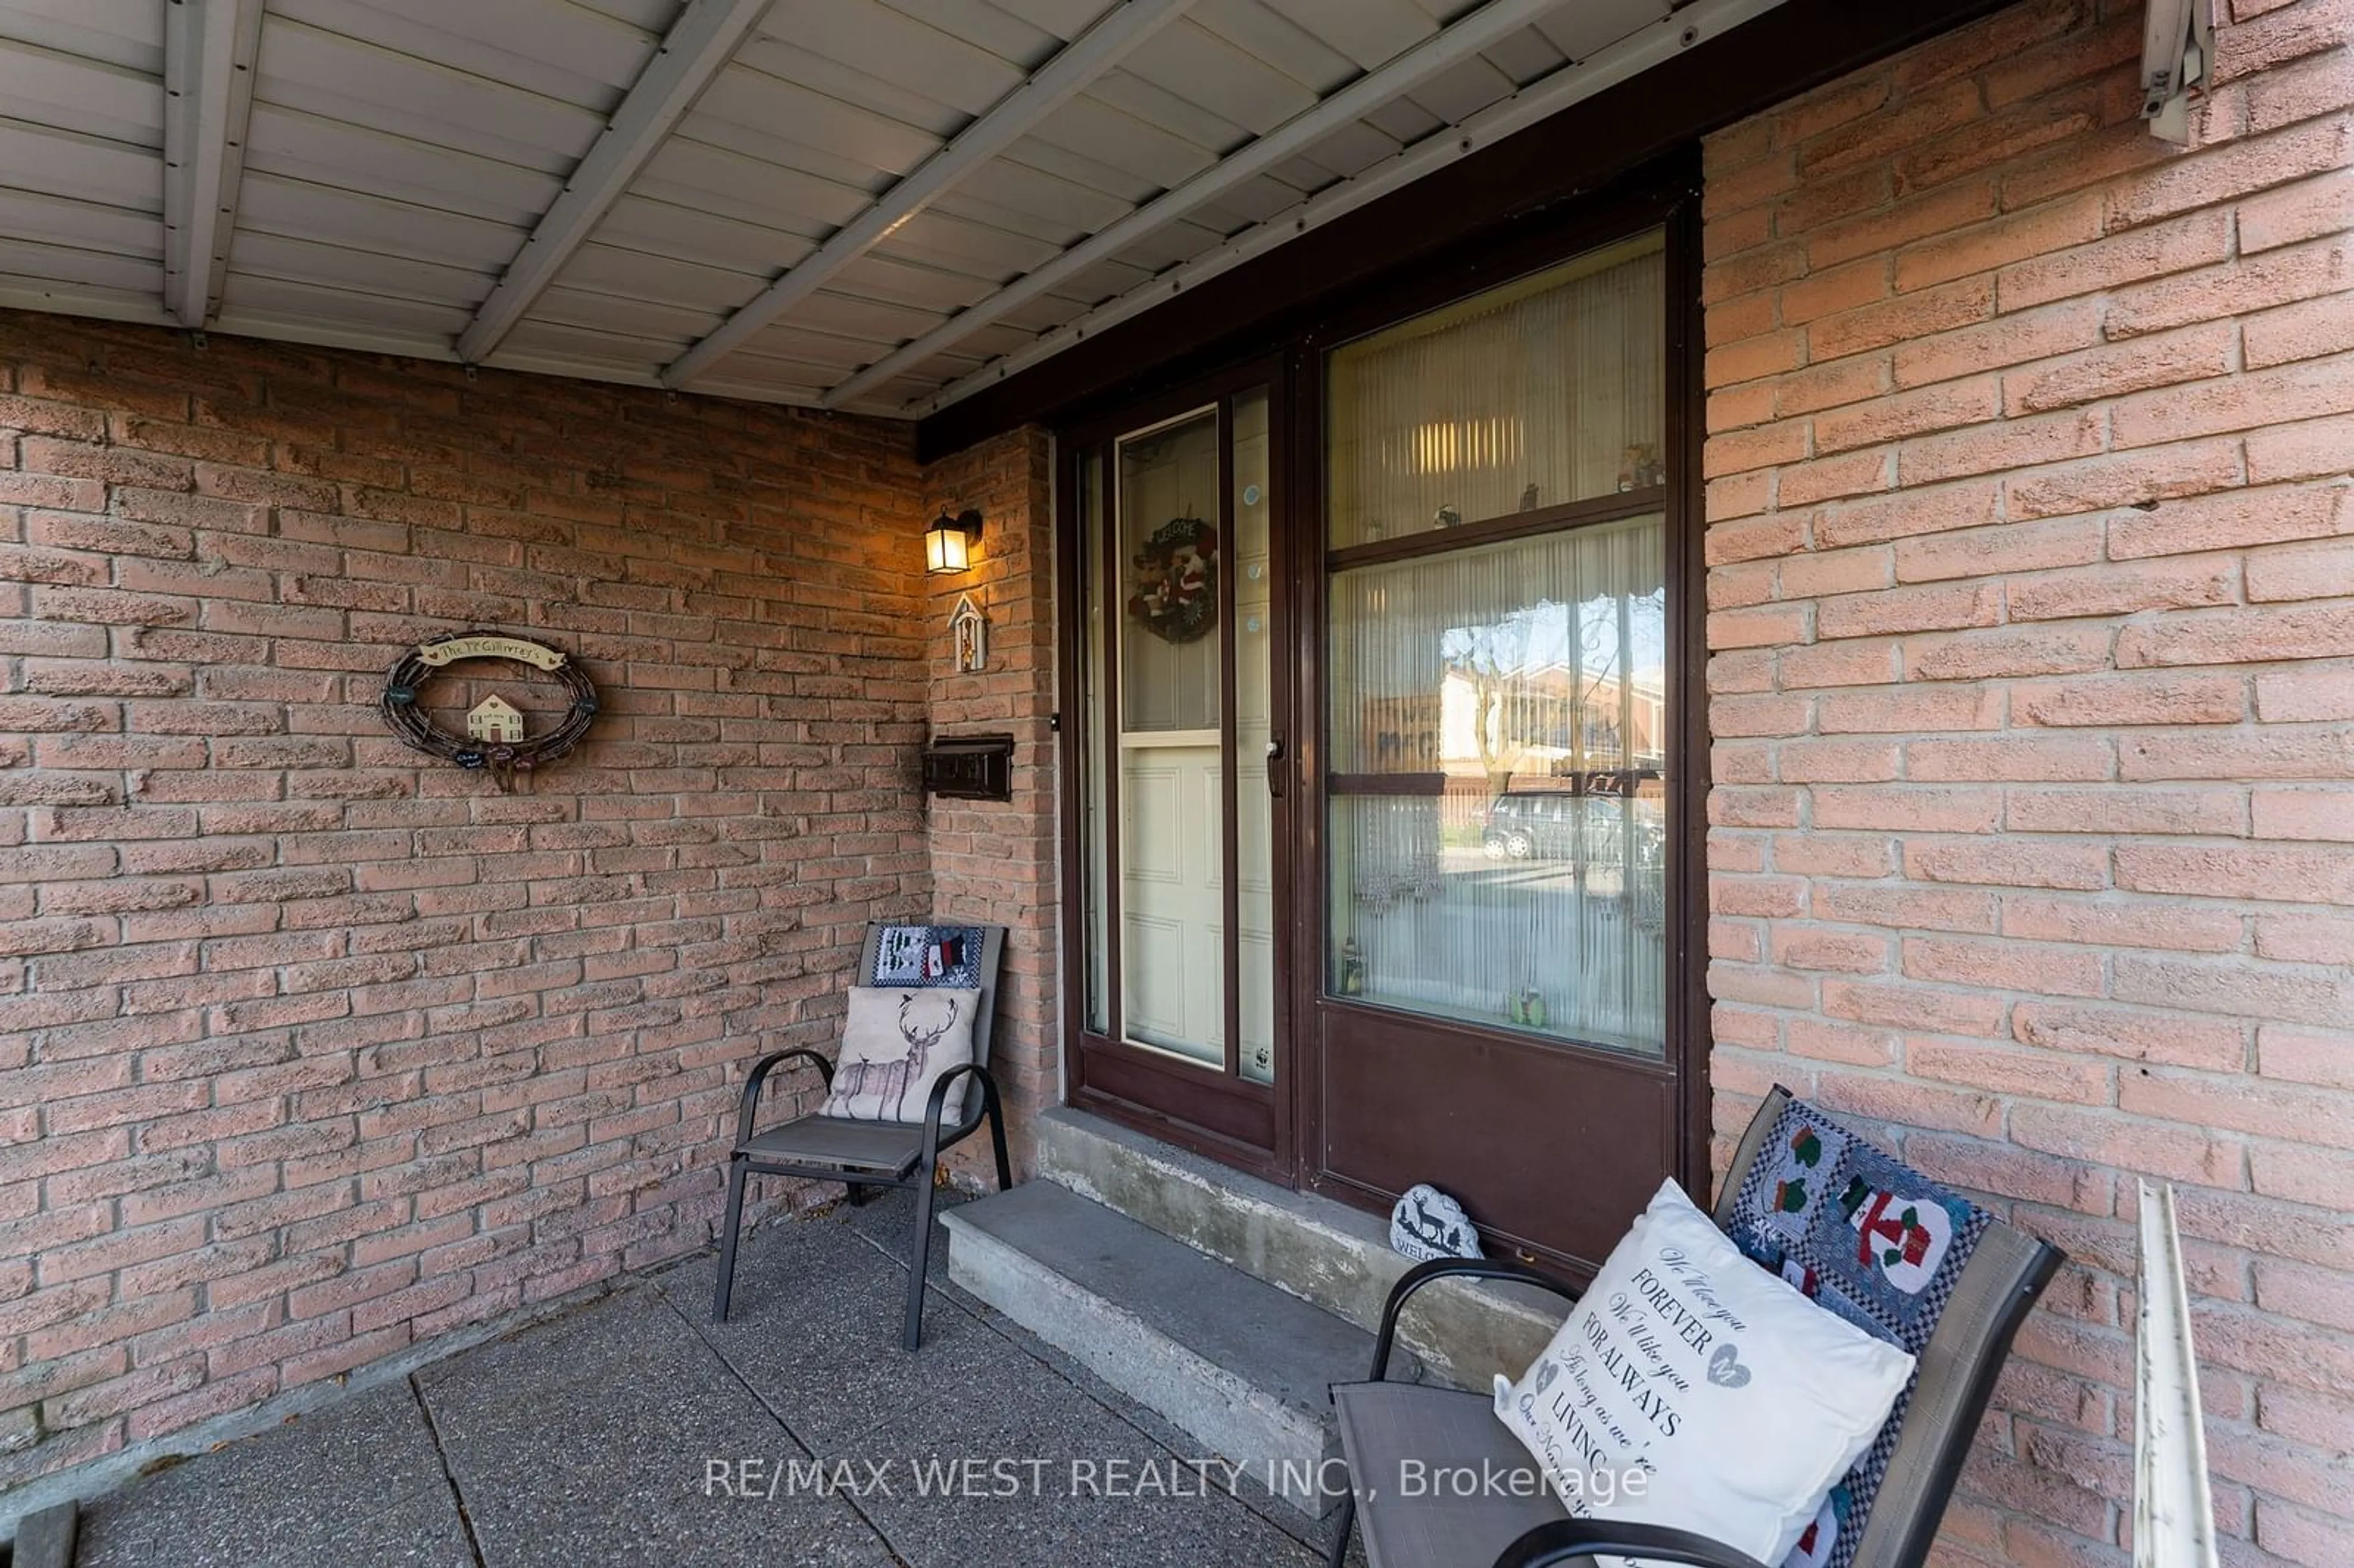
1492 660
1527 694
1537 669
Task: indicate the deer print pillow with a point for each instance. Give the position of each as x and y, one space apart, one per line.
895 1045
1689 1387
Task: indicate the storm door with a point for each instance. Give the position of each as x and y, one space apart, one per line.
1176 579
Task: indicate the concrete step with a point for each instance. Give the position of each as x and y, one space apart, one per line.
1244 1369
46 1540
1329 1255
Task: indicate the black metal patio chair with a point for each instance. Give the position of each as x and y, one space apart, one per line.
869 1154
1385 1424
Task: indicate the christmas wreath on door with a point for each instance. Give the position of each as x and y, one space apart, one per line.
1175 591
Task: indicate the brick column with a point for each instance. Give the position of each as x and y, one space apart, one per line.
992 861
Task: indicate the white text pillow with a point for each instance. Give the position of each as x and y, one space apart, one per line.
895 1045
1739 1400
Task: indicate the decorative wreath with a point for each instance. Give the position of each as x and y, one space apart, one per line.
1176 585
406 716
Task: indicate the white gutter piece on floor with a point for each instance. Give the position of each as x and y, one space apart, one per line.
2174 1511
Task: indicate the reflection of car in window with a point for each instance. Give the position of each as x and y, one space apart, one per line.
1594 830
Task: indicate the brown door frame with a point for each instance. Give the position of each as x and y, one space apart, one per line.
1668 197
1217 1113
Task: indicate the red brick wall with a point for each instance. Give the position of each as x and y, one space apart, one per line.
997 861
311 1047
2034 668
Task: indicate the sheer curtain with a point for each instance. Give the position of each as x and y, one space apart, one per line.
1543 391
1516 692
1497 718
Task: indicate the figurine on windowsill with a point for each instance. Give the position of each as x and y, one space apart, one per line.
1643 468
1448 518
1529 498
1352 968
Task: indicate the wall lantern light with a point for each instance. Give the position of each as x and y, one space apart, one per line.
948 542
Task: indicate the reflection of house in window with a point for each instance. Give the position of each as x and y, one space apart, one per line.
495 719
1550 720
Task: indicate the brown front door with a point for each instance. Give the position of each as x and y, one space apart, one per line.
1180 820
1495 661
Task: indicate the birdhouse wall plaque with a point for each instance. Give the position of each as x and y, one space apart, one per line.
498 739
970 628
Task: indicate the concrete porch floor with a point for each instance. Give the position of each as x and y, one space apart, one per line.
589 1438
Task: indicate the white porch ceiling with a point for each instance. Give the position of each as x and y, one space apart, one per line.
878 204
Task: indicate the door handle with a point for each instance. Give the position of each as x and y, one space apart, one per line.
1275 770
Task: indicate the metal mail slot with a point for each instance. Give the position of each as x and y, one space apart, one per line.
970 767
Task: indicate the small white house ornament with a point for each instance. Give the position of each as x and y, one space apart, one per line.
494 719
1428 1223
970 628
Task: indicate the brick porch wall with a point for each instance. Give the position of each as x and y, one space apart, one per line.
2033 668
998 860
311 1048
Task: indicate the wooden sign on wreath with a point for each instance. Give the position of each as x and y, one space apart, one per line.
1175 591
495 741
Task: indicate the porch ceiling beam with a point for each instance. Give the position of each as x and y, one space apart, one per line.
1606 67
209 49
702 41
1062 78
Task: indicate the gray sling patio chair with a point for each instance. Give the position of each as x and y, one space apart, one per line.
1958 1320
868 1154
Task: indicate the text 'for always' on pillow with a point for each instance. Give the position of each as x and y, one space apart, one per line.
1739 1400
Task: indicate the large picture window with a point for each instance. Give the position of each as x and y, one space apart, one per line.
1497 718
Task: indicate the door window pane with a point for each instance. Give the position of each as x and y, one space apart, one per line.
1543 391
1498 786
1171 761
1177 696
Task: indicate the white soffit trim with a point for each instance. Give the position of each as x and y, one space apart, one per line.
703 39
68 299
1629 57
1496 20
209 49
1062 78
